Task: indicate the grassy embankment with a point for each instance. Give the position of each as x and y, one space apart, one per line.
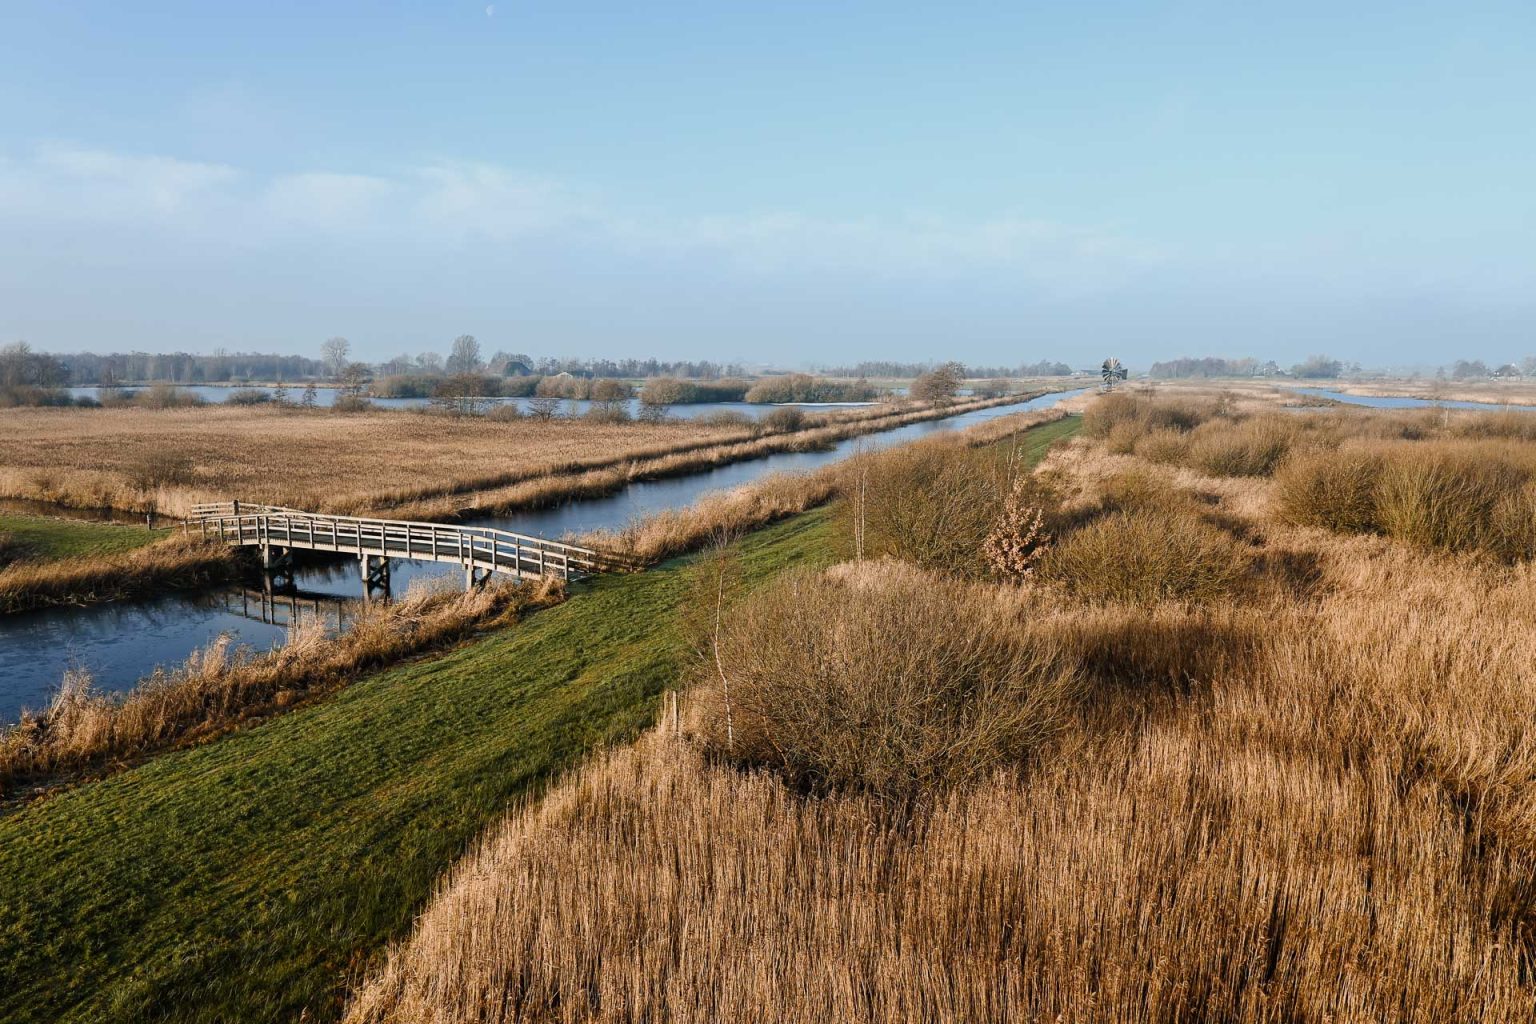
47 561
247 879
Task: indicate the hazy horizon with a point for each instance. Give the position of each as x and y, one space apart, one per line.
794 185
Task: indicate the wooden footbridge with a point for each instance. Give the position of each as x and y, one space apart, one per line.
481 551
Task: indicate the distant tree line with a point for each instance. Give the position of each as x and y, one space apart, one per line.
91 368
1185 367
887 368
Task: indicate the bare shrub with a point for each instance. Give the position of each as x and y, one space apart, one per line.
784 419
157 469
881 679
1017 539
1251 448
504 412
1334 490
1143 414
165 396
1442 496
352 403
930 503
1165 445
1148 556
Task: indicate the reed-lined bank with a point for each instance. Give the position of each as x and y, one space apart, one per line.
586 481
174 563
85 731
728 514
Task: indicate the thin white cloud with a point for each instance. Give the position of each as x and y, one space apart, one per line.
325 200
476 205
73 181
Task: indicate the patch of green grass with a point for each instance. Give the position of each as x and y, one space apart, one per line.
252 878
46 538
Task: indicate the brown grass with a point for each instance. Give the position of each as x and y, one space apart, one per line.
175 563
1286 809
314 460
371 462
219 688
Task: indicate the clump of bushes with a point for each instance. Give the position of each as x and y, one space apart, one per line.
1444 495
932 504
882 679
1136 415
784 420
249 396
166 396
802 387
663 391
1334 490
1252 447
1145 555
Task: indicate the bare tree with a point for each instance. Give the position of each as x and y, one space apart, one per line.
465 355
335 352
939 385
543 407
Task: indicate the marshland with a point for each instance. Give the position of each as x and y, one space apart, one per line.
949 514
1190 674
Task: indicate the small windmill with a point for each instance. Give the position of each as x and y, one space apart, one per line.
1113 371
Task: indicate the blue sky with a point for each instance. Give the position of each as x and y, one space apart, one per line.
801 182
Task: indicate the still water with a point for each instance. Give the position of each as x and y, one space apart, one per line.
118 644
1396 402
326 397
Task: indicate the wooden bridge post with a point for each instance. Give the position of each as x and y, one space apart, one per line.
375 574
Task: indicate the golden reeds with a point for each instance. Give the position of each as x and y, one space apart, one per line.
175 563
1314 802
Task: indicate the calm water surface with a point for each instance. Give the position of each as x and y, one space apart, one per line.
118 644
1397 402
326 397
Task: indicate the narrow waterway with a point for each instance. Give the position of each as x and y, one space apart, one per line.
1401 402
118 644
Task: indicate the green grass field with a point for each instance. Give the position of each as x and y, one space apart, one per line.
45 538
252 878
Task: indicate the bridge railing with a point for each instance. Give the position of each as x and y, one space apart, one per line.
472 546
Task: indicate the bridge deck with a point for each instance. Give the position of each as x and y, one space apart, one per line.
473 547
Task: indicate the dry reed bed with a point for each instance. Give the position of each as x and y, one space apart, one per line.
725 514
549 489
1338 829
137 459
343 464
218 688
1309 800
1462 481
176 563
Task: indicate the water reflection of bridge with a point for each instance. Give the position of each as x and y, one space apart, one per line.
286 607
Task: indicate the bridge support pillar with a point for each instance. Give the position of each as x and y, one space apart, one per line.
277 567
375 576
474 578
